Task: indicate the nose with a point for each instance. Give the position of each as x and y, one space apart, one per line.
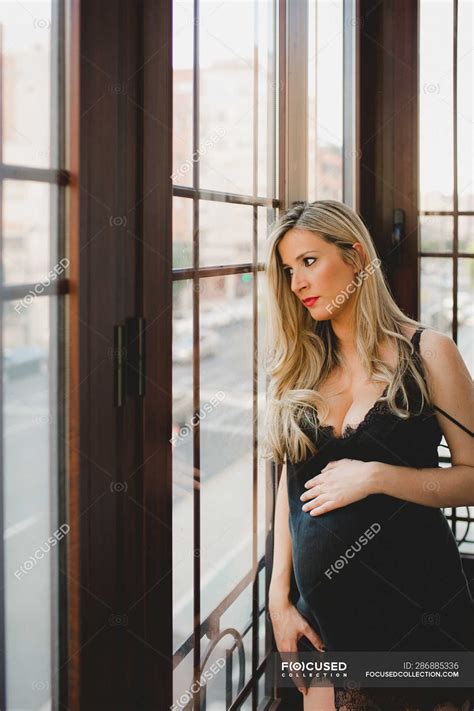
298 282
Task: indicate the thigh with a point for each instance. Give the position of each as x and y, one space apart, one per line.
319 699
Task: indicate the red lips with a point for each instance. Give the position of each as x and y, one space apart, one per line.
310 301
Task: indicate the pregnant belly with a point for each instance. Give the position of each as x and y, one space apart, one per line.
368 571
351 544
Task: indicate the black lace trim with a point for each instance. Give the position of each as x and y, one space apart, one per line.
400 699
379 409
380 406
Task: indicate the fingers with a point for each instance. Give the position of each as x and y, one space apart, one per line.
315 639
323 508
316 501
317 642
320 504
316 490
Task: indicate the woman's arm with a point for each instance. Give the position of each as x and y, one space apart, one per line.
453 392
282 555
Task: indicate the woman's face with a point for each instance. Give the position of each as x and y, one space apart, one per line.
315 268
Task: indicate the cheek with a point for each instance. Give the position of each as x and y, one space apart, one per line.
333 276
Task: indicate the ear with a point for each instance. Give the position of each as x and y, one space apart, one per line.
360 249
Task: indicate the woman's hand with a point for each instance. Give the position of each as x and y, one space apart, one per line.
288 626
340 483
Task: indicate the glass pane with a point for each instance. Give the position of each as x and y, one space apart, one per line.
436 293
29 249
182 681
182 92
226 471
226 36
466 233
325 99
436 105
262 691
267 98
436 233
466 311
465 104
266 218
182 232
183 482
226 436
27 31
33 530
228 55
225 233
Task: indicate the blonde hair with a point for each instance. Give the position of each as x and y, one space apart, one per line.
300 353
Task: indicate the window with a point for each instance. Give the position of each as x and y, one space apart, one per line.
238 156
33 294
446 246
224 177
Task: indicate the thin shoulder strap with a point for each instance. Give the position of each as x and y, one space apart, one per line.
416 343
463 427
415 339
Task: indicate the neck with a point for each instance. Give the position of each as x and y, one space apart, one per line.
343 326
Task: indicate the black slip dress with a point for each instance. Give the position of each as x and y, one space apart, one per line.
404 590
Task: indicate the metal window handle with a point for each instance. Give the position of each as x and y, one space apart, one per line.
129 359
136 348
119 360
398 233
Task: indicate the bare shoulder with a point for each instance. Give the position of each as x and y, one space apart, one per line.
430 338
435 337
439 350
452 389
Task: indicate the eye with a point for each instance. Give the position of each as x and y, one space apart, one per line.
288 270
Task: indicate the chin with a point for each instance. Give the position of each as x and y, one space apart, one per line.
321 314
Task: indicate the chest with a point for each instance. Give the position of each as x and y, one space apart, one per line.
347 402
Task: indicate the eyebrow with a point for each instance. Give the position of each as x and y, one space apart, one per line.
300 256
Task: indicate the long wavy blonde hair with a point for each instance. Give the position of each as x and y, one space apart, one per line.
300 353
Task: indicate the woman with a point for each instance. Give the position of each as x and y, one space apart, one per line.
359 398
